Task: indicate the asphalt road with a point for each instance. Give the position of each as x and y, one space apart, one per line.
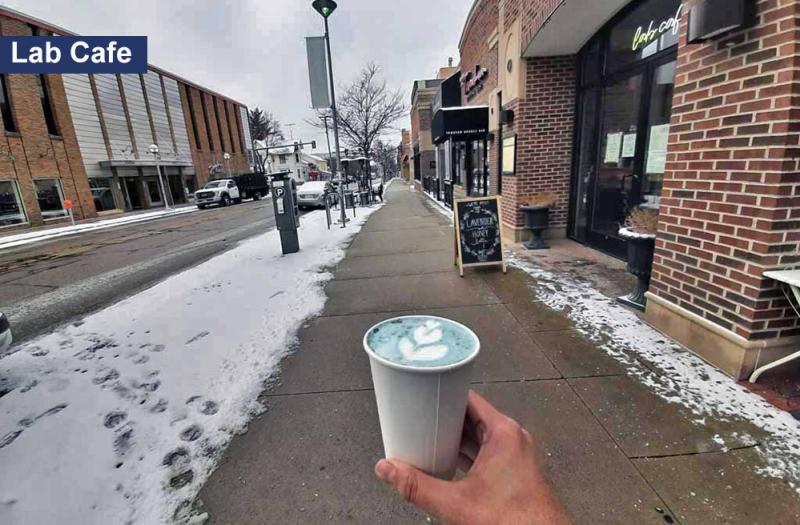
48 284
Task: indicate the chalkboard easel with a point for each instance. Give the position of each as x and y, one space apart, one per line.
478 233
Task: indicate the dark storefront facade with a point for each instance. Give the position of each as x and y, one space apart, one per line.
460 136
686 107
625 94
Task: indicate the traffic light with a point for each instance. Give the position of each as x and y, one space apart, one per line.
324 7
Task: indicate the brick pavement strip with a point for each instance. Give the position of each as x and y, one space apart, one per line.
309 457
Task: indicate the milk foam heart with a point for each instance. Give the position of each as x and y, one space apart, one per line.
422 341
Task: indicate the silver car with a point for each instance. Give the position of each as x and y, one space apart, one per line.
312 194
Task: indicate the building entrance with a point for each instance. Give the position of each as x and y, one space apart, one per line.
625 105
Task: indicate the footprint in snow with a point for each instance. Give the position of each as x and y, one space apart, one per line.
123 441
105 375
54 410
9 438
197 337
113 419
191 433
176 458
204 406
159 407
37 351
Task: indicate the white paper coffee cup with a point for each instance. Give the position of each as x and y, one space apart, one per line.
422 409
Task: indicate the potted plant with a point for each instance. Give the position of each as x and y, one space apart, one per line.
639 231
536 211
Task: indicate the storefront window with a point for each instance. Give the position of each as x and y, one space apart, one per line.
11 209
648 29
102 194
51 198
459 162
658 132
478 184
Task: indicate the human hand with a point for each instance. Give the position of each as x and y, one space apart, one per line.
504 482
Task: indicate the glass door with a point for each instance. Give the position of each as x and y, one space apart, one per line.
626 82
154 192
616 179
662 89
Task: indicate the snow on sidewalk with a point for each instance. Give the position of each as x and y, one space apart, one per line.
682 378
120 418
29 237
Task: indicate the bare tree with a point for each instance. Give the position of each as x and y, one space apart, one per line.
386 157
265 127
367 109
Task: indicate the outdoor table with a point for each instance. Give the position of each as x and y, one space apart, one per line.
790 279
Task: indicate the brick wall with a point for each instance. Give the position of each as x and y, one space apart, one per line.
474 49
545 122
731 200
533 14
31 152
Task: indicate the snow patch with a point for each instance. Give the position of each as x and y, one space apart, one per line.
682 377
120 418
441 208
20 239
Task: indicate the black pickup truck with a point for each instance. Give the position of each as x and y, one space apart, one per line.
252 185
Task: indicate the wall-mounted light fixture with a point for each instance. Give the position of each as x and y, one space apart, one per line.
711 18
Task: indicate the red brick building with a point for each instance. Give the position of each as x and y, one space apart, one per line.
609 105
87 138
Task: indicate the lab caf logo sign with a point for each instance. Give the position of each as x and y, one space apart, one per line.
646 35
73 54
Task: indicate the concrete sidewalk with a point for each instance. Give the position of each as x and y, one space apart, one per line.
616 452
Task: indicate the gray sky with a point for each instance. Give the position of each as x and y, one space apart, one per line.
254 50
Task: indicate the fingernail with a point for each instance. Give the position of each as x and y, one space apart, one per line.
384 470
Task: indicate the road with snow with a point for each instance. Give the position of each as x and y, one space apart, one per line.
47 284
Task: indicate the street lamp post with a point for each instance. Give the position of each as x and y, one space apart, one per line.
154 151
227 157
326 8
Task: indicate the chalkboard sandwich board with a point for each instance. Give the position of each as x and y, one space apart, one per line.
478 228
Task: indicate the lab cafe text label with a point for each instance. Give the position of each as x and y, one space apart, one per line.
73 54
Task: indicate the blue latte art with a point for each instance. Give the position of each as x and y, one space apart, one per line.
422 341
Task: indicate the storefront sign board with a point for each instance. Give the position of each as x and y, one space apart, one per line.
478 233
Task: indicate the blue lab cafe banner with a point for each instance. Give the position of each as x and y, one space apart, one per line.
73 54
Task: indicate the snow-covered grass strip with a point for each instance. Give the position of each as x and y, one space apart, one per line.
121 417
20 239
682 377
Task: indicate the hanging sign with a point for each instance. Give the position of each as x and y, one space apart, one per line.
644 37
478 233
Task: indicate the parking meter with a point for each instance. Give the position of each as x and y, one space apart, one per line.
284 201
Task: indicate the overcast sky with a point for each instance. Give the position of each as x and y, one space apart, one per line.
254 50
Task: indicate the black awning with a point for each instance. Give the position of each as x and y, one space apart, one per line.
460 123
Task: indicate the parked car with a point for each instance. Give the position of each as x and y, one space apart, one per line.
252 185
5 334
313 194
222 192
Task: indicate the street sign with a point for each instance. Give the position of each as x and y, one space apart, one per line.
478 233
280 192
67 204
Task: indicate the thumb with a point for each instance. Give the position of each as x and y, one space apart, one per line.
432 495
